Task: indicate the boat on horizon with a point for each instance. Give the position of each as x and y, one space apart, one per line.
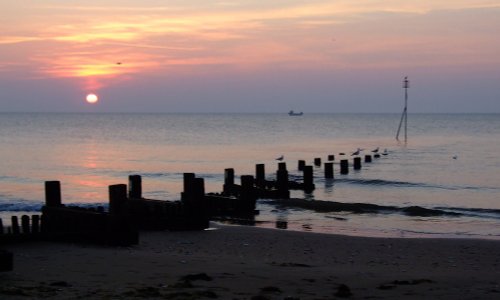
292 113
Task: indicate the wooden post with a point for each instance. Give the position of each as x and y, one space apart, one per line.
52 193
368 158
357 163
135 186
329 170
317 162
308 178
282 166
15 225
260 175
25 224
117 198
248 197
344 167
35 227
228 180
302 164
282 179
1 226
331 157
187 193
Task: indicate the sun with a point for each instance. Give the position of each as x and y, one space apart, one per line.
92 98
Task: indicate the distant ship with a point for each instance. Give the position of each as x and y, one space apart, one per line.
292 113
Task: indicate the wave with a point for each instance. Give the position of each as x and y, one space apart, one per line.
395 183
35 206
370 208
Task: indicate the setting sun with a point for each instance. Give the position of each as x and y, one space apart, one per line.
92 98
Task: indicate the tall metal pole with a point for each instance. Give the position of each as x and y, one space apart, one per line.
404 115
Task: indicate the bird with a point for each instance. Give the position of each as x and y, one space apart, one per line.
280 158
356 152
455 156
385 152
119 63
375 150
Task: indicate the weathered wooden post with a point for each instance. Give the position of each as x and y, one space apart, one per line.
260 175
329 170
52 193
35 227
117 199
135 186
1 226
357 163
25 224
317 161
344 167
308 179
368 158
282 181
15 225
302 164
247 195
228 181
331 157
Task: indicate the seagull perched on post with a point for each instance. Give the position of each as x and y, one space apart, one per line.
280 158
375 150
356 152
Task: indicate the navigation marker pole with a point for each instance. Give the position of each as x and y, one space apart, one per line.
406 85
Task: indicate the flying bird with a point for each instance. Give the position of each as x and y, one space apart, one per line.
280 158
119 63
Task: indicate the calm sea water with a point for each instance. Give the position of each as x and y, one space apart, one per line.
88 152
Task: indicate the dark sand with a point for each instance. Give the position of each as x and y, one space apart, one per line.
234 262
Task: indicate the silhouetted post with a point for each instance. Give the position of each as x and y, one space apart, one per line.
302 164
117 198
260 175
317 162
377 155
357 163
331 157
1 226
344 166
228 180
368 158
329 170
199 196
187 193
52 193
35 227
282 181
15 225
247 196
308 178
25 224
135 186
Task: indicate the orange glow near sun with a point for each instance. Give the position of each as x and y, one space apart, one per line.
92 98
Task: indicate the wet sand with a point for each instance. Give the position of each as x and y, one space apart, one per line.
237 262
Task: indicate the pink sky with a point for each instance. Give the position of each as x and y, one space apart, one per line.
246 56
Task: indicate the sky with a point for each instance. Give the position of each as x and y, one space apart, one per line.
250 56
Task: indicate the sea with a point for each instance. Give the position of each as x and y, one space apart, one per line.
450 163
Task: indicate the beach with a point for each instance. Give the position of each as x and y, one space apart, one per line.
240 262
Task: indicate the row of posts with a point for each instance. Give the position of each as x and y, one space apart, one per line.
24 228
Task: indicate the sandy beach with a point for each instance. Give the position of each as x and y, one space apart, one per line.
237 262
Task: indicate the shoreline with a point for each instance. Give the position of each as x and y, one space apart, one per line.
240 262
